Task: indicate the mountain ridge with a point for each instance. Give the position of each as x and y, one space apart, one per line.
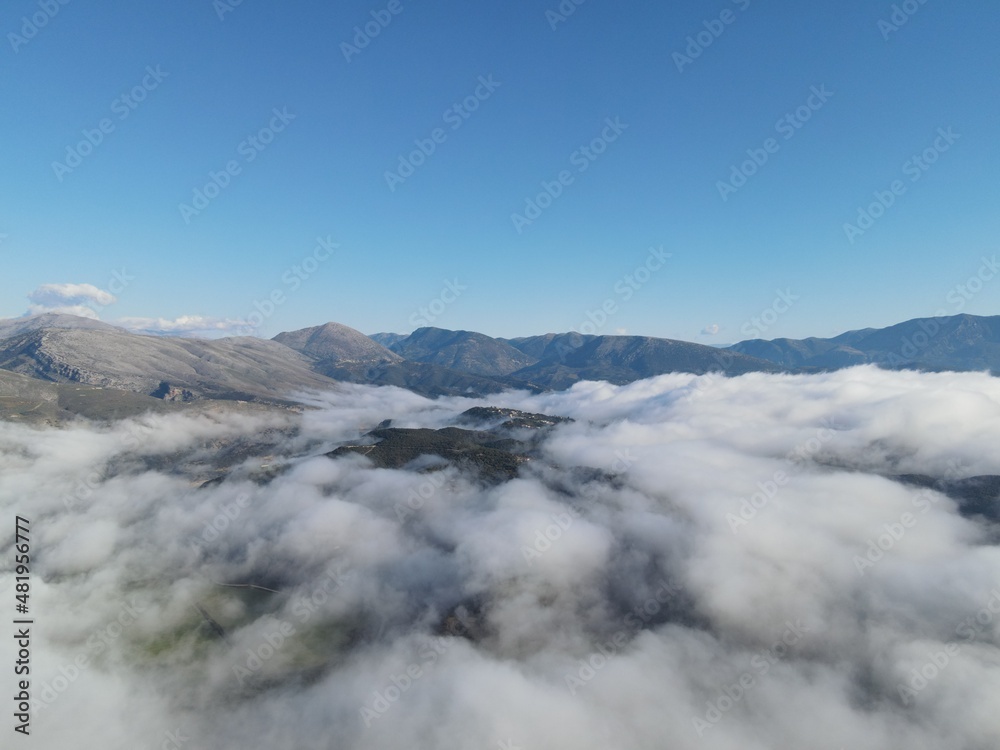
66 350
954 342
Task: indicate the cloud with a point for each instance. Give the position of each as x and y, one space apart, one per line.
711 330
71 299
81 311
695 562
186 325
87 301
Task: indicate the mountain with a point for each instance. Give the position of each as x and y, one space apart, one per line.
557 360
976 496
419 377
549 345
624 359
811 352
55 366
33 401
508 440
957 342
167 368
336 342
465 351
343 353
387 339
14 326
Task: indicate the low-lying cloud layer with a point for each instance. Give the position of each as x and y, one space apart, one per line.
694 562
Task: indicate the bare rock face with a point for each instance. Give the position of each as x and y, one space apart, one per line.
169 392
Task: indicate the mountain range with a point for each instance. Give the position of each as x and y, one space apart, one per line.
55 365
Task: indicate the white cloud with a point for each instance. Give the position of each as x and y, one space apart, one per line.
186 325
72 299
87 301
79 310
643 612
711 330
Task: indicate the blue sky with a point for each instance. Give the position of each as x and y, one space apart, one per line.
443 245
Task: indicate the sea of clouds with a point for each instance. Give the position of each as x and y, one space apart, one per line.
693 562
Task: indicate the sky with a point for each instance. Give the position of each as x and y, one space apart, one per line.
687 170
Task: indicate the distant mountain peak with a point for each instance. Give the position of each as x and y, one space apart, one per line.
950 342
336 342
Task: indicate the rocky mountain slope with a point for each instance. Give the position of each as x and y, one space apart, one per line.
52 365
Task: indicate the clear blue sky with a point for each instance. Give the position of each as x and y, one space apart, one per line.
656 184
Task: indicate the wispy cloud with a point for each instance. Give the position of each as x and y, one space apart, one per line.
185 325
